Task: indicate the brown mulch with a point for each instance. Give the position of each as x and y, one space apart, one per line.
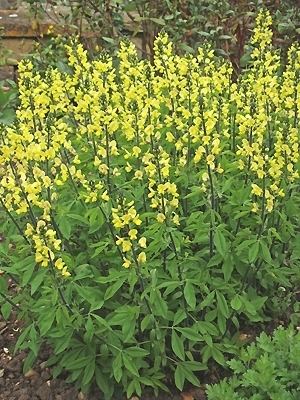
38 383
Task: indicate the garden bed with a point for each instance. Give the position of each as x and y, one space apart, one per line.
35 384
38 383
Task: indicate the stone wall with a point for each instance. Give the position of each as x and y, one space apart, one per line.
8 4
21 31
19 34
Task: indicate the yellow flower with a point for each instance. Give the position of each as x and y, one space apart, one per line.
142 258
126 263
199 153
205 176
270 204
126 246
119 241
136 151
137 221
40 224
256 190
219 169
170 137
59 264
175 219
117 222
128 168
260 173
65 273
29 230
205 140
143 242
210 159
132 234
39 257
105 196
138 174
160 218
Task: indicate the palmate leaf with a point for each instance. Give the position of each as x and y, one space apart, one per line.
183 372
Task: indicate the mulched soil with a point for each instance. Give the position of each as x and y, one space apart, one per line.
38 383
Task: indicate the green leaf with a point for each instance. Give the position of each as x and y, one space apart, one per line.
189 375
93 295
29 361
65 227
89 329
77 363
6 310
222 304
128 328
7 117
111 290
249 307
177 345
37 280
209 300
158 21
56 371
253 252
117 367
96 220
89 371
101 246
225 37
179 316
102 382
189 294
34 342
190 333
146 321
3 284
46 320
101 321
22 337
236 302
161 307
134 387
78 218
227 267
221 323
220 242
179 377
129 364
28 271
137 352
218 356
108 39
265 252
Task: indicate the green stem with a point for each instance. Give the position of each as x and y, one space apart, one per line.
12 218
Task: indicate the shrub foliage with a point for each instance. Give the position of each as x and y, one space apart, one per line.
150 210
269 369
